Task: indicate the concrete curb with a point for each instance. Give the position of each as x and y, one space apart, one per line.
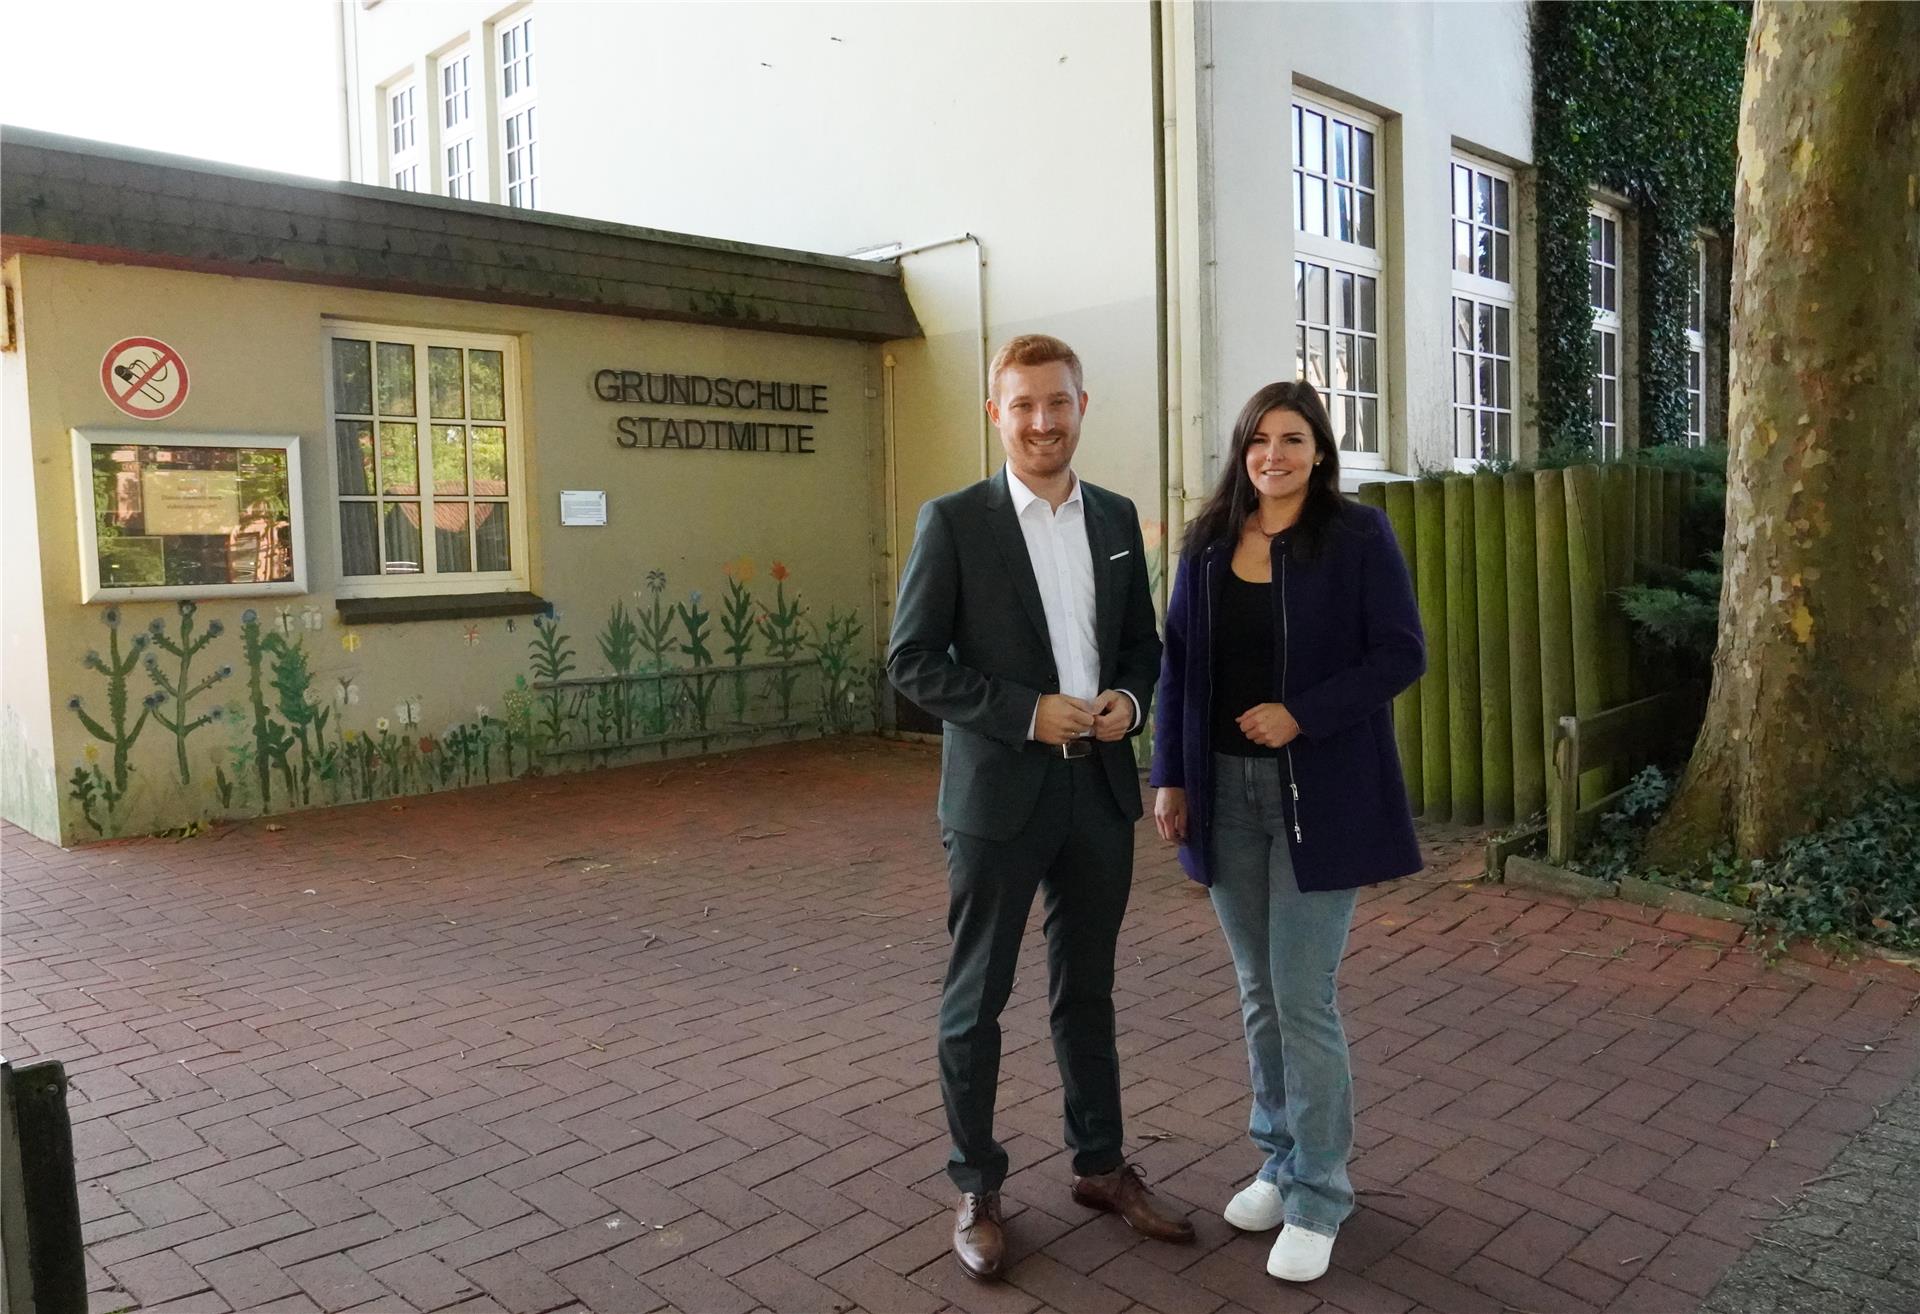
1635 890
1533 874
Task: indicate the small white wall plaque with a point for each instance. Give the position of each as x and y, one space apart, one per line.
580 507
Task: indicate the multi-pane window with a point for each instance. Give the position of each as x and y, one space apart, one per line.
519 133
456 124
523 174
426 459
460 170
1482 313
456 94
1603 293
1482 222
516 57
403 137
1697 346
1338 215
1334 194
1337 347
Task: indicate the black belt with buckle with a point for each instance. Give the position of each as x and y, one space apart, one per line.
1072 750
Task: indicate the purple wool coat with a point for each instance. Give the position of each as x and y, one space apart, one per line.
1349 629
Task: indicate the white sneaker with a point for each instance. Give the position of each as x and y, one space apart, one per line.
1257 1207
1299 1255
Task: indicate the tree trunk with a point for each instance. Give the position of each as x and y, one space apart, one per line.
1816 680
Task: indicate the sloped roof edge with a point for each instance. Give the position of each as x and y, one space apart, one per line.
91 200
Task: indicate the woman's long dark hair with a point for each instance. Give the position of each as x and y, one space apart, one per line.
1226 512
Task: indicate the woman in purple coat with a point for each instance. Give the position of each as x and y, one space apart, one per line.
1291 627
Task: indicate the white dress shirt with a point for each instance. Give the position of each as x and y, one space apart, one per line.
1062 562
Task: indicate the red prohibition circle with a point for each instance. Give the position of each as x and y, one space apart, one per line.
125 390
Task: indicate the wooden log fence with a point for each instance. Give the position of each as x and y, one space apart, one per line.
1518 577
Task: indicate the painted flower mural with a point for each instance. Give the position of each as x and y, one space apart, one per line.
162 743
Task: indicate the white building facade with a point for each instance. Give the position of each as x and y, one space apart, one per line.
1201 198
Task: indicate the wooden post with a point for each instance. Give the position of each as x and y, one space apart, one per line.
1616 484
1586 592
1406 707
1646 525
1430 537
1496 708
1679 489
1463 653
1523 646
1556 606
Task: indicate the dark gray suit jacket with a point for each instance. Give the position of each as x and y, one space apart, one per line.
970 646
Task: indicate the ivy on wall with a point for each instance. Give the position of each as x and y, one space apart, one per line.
1642 100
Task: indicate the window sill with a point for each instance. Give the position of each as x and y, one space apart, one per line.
438 606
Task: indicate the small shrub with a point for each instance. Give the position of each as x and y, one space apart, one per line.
1616 844
1857 877
1678 611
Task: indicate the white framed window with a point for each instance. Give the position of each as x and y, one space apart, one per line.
427 460
1697 345
519 126
1483 308
403 136
1338 236
459 169
457 124
1603 294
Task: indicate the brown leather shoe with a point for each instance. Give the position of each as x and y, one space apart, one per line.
978 1242
1124 1192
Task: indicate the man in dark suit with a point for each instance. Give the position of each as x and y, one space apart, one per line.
1025 623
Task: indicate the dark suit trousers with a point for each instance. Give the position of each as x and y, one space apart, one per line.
1079 849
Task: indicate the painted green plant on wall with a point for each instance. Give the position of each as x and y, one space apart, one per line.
736 622
620 646
785 638
298 726
840 671
518 722
656 638
698 690
179 687
117 666
293 687
552 662
270 739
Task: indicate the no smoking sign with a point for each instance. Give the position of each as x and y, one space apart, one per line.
144 377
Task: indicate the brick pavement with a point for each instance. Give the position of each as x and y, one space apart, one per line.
661 1037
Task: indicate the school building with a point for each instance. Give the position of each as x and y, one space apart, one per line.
316 493
1200 197
501 325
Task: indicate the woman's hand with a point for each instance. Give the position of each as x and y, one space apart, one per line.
1270 725
1170 813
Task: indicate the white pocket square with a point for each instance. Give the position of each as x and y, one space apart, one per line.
1116 556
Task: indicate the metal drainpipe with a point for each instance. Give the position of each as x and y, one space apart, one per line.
889 423
344 138
980 312
1162 302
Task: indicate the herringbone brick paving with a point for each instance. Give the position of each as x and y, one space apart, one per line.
661 1037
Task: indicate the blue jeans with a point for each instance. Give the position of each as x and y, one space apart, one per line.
1286 951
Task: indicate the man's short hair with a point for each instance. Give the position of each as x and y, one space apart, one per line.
1034 349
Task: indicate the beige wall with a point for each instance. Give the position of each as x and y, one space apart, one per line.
254 349
29 791
842 127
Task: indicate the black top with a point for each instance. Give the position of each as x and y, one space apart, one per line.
1243 663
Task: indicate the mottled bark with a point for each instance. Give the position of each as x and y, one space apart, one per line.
1816 684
